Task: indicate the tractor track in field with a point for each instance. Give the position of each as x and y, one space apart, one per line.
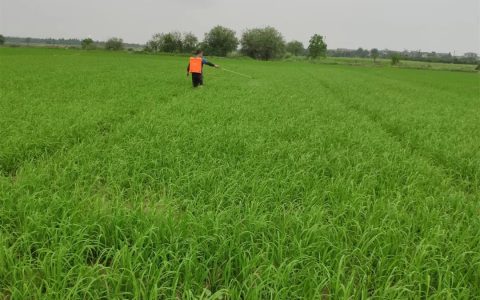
462 180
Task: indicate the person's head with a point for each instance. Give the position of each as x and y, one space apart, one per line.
198 53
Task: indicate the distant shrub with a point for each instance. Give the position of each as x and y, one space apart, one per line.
395 59
478 67
114 44
87 44
295 48
374 53
2 39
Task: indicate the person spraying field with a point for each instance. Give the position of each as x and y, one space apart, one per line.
195 67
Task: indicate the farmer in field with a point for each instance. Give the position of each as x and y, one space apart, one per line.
196 68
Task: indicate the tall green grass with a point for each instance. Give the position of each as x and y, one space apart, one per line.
119 181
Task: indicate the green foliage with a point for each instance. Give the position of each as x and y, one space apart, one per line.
317 47
189 42
296 48
395 59
153 45
172 42
374 53
88 44
166 42
220 41
114 44
309 182
263 43
360 52
2 39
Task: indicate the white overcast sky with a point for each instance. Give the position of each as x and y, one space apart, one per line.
428 25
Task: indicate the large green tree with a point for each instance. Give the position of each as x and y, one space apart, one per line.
296 48
189 42
220 41
2 39
170 42
263 43
317 47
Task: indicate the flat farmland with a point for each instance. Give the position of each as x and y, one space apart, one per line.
118 180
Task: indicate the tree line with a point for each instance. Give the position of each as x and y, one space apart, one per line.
87 43
434 57
259 43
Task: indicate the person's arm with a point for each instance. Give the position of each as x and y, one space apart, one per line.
188 69
206 62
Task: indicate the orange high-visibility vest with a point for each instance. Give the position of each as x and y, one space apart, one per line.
196 64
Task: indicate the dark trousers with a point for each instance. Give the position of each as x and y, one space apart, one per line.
197 79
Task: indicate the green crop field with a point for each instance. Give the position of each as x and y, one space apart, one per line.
406 64
118 180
